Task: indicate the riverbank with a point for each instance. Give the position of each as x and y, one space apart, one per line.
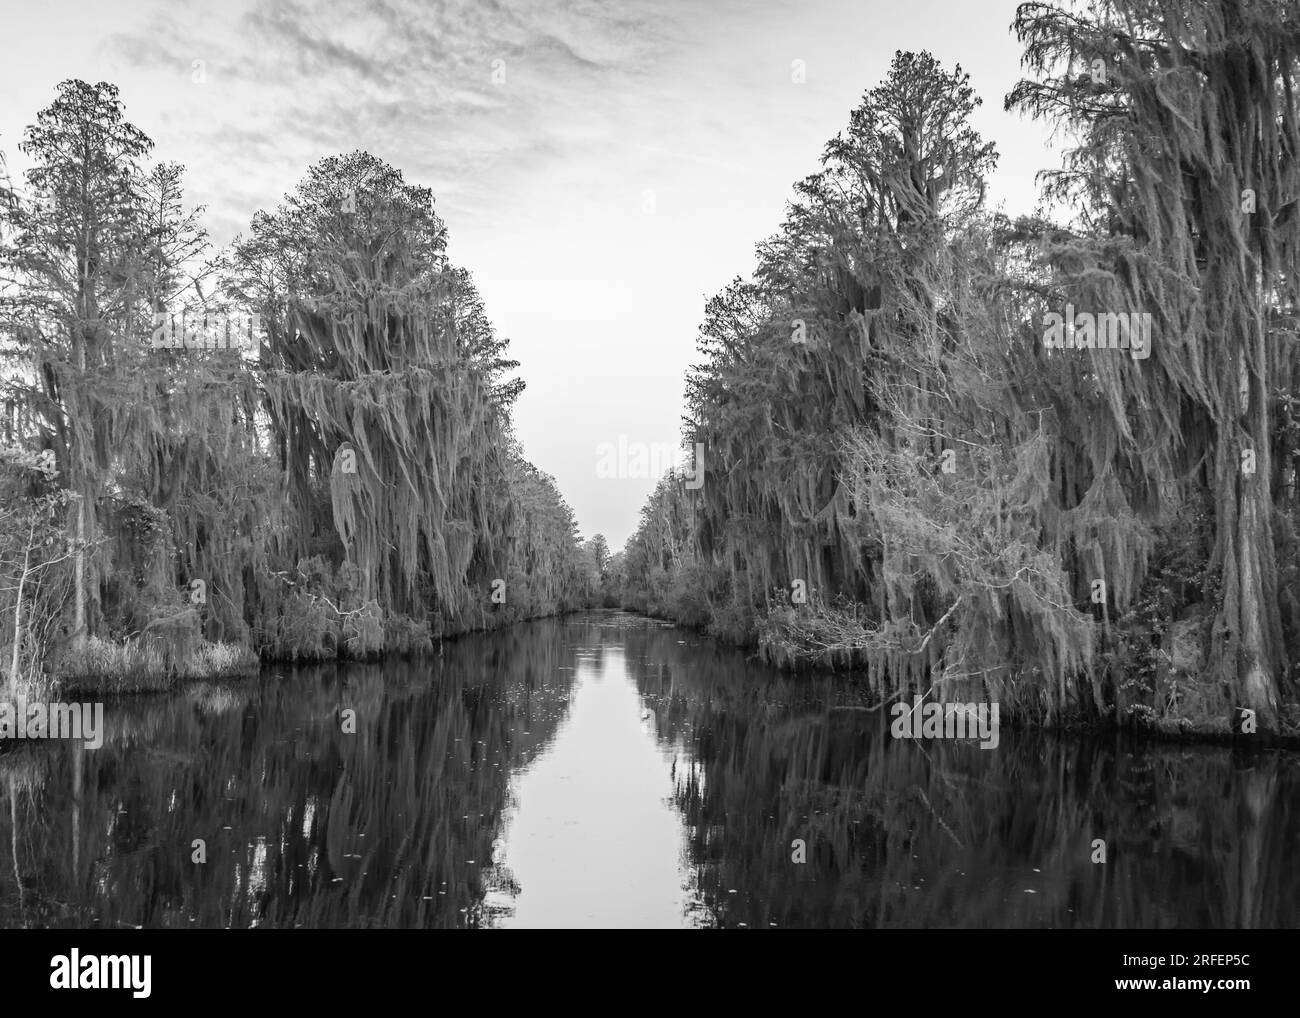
116 670
1135 718
105 668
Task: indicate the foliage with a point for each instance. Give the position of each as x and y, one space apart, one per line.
341 481
900 474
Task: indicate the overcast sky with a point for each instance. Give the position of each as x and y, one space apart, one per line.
603 166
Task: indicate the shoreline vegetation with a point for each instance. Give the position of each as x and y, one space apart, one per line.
345 484
920 462
914 467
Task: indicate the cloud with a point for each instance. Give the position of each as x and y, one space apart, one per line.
472 96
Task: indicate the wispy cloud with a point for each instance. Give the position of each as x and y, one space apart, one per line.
468 95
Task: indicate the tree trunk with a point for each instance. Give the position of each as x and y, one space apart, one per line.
79 595
18 617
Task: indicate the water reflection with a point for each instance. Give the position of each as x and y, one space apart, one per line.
596 841
607 770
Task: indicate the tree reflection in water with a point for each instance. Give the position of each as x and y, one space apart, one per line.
402 824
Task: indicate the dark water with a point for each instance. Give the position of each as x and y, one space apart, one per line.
609 770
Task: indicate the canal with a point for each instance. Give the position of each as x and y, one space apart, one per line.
605 769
